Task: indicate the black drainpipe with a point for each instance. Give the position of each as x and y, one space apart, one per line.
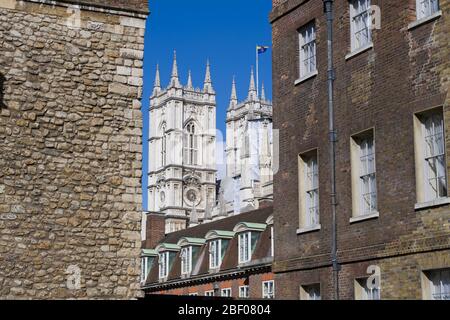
328 9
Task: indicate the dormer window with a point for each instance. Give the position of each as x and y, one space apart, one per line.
215 254
166 255
218 241
147 259
190 248
248 235
163 265
245 247
186 260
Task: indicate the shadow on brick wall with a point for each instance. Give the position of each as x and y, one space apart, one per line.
2 91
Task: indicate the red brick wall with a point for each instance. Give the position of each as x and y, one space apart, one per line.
155 230
253 281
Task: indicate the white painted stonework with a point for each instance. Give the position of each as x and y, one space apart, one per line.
182 155
182 166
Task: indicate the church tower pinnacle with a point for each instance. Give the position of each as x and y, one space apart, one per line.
208 88
174 81
233 97
252 95
189 82
157 85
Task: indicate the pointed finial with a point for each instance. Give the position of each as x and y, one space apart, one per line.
252 88
174 81
157 85
233 97
189 82
263 92
208 83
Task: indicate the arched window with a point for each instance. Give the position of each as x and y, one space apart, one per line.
163 145
190 145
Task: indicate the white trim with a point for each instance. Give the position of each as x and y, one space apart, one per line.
264 296
422 21
247 291
226 290
306 77
209 293
369 216
309 229
218 252
246 256
358 51
432 203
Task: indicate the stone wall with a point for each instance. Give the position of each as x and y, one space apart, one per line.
70 151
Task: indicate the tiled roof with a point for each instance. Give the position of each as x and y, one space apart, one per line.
200 265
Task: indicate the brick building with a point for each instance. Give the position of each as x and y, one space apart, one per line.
70 148
230 257
393 207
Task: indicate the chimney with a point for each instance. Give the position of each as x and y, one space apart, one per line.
155 230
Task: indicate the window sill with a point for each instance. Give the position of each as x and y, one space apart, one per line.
432 203
359 50
308 229
306 77
422 21
369 216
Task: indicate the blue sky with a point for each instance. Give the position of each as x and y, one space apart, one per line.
225 32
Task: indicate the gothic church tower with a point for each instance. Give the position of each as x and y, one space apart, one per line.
182 163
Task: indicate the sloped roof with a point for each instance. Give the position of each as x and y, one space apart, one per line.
226 224
200 266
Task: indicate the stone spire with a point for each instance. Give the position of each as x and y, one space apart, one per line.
189 82
252 95
263 93
157 85
174 81
233 98
208 83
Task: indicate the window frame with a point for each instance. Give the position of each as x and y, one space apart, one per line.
307 49
245 250
163 264
361 290
358 176
186 264
419 8
190 144
305 291
209 293
163 146
226 290
428 285
218 253
269 294
246 290
307 221
353 25
423 196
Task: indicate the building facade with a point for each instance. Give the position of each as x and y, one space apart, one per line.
248 151
182 139
71 148
183 186
230 257
391 116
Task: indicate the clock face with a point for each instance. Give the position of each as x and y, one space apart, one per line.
192 197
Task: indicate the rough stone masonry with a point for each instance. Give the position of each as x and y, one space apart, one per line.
70 148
